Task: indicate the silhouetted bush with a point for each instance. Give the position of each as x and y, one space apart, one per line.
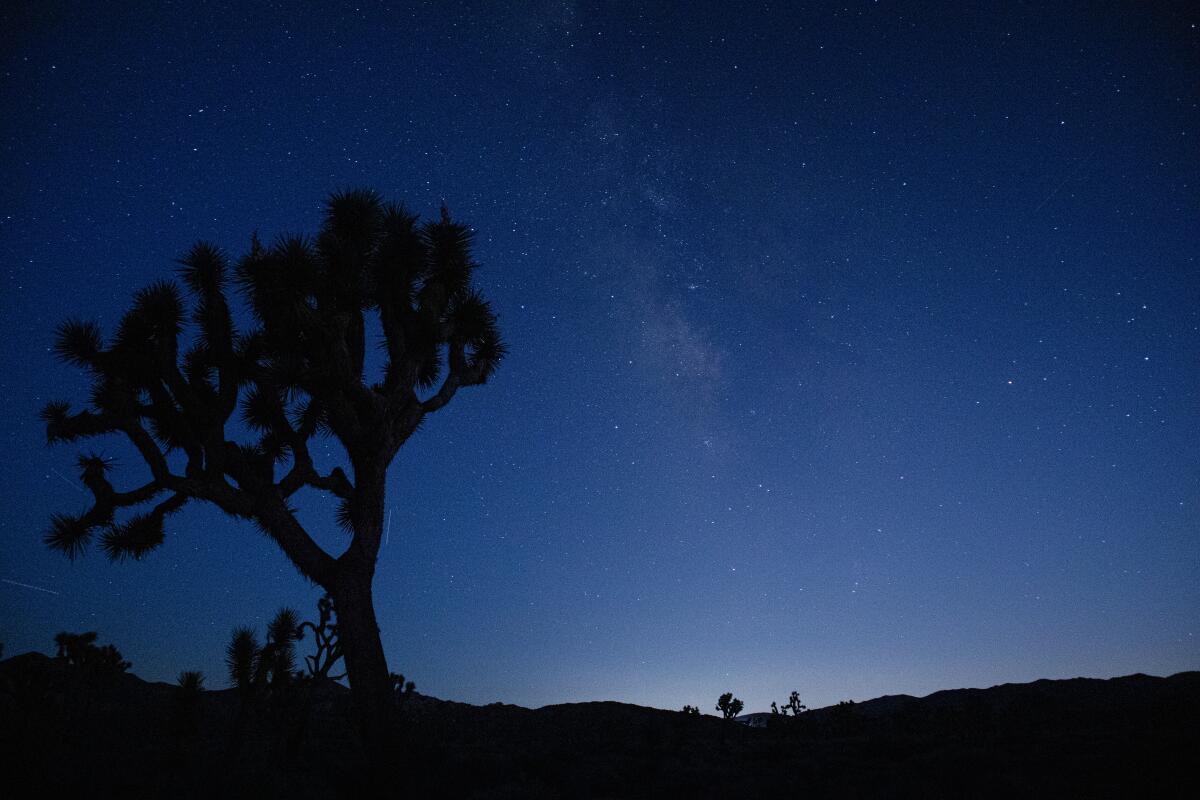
79 651
402 689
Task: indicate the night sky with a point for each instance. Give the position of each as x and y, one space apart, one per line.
853 349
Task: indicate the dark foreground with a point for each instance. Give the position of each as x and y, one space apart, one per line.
1135 736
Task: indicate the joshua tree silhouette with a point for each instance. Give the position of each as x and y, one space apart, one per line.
729 706
185 712
325 636
793 706
79 650
298 372
258 671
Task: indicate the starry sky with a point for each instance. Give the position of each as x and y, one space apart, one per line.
853 347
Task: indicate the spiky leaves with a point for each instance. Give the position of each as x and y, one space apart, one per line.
147 337
71 533
474 324
279 281
138 535
449 259
137 384
241 657
62 426
309 299
465 322
251 666
283 631
191 682
400 262
79 342
68 534
93 469
283 627
133 538
344 515
157 314
263 410
203 269
347 244
57 416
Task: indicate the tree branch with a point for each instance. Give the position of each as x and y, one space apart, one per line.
335 482
62 426
136 496
149 451
215 489
303 473
278 521
461 374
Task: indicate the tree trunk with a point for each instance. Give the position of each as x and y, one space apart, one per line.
366 668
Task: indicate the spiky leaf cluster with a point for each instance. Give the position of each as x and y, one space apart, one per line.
309 295
283 631
191 681
241 657
253 667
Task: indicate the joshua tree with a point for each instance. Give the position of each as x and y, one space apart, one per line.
793 706
186 710
296 373
402 689
691 711
241 658
325 636
729 706
278 658
79 650
257 672
65 642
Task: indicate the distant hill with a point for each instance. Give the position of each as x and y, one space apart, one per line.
1008 698
1134 736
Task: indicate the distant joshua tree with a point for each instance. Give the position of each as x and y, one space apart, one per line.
79 650
691 711
297 373
729 706
186 710
793 706
191 682
402 690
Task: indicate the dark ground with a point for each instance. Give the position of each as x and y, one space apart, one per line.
64 734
